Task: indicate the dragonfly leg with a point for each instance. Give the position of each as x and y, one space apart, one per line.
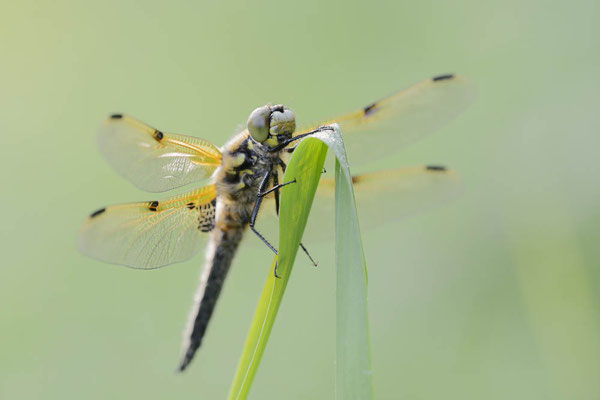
275 188
262 238
263 184
284 144
281 164
314 263
275 182
276 185
261 188
257 233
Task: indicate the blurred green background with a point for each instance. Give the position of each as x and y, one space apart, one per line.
494 295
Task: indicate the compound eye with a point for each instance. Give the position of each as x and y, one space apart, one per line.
258 123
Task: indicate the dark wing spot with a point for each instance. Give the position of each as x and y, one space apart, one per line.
369 109
443 77
191 206
435 168
116 116
98 212
158 135
153 205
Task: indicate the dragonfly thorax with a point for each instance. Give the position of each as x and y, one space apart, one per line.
244 164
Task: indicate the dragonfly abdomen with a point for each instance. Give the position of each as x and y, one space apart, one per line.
219 255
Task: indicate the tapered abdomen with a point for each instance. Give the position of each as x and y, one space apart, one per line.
220 252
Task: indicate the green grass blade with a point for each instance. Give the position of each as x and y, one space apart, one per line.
353 350
296 199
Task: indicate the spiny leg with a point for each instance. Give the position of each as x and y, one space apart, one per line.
260 195
277 186
284 144
314 263
264 182
259 198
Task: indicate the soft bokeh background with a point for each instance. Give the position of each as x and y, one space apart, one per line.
495 295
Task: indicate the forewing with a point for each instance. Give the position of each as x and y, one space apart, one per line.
383 127
153 160
150 234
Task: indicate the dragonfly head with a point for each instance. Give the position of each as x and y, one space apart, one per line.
271 124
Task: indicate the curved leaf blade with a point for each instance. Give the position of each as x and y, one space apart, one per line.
305 166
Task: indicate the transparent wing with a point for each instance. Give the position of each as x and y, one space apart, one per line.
150 234
381 197
384 126
153 160
386 196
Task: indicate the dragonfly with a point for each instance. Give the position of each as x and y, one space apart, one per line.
245 175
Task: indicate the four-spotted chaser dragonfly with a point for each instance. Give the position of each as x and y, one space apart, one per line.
246 170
